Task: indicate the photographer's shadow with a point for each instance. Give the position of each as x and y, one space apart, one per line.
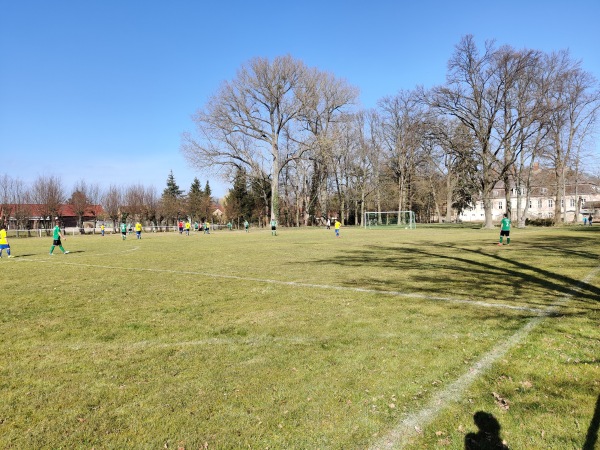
488 436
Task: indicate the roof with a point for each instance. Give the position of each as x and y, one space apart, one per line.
37 210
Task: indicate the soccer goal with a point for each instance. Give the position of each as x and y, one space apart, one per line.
400 219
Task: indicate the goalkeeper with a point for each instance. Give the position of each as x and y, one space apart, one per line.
505 229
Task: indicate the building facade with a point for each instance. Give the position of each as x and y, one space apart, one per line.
582 195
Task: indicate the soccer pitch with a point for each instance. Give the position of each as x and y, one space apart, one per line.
379 339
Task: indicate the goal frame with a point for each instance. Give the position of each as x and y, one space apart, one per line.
404 219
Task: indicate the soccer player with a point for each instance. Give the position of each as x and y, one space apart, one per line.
273 227
56 236
138 230
505 229
123 230
337 225
246 226
102 229
188 226
4 242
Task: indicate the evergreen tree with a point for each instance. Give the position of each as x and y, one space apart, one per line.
238 200
195 201
171 200
207 202
172 190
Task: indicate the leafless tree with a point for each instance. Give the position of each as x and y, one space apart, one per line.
244 124
403 136
134 201
151 204
575 103
80 200
259 122
14 202
476 93
48 194
112 201
6 188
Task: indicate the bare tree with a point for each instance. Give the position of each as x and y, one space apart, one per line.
6 188
476 93
403 136
48 194
14 202
134 201
80 201
112 202
244 124
259 122
575 104
151 204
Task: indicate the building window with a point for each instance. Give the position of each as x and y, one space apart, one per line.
550 203
530 204
572 203
540 203
482 205
499 205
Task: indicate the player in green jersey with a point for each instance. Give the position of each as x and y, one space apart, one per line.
56 236
505 229
273 227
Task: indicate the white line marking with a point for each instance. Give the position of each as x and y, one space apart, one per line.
308 285
398 437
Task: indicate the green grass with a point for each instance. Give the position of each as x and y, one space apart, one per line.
300 341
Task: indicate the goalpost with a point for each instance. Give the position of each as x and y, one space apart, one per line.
399 219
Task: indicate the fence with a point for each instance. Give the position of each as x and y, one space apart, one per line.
72 231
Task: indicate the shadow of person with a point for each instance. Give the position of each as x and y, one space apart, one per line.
592 434
488 436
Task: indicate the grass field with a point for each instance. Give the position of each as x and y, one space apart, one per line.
378 339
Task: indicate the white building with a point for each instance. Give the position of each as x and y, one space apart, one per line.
542 195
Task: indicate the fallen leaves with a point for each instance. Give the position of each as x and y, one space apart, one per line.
501 402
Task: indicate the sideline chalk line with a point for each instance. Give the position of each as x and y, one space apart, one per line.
399 436
538 311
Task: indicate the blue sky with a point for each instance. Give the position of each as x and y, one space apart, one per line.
102 90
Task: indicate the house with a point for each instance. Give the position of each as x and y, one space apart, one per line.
581 192
34 216
218 213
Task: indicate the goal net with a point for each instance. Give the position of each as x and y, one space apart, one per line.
399 219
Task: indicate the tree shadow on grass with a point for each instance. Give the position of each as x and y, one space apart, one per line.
463 275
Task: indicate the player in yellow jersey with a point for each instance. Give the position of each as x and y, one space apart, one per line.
4 245
138 230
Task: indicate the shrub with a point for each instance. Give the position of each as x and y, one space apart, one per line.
540 222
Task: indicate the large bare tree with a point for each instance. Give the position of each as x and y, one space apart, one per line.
260 120
244 123
403 136
476 93
575 101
